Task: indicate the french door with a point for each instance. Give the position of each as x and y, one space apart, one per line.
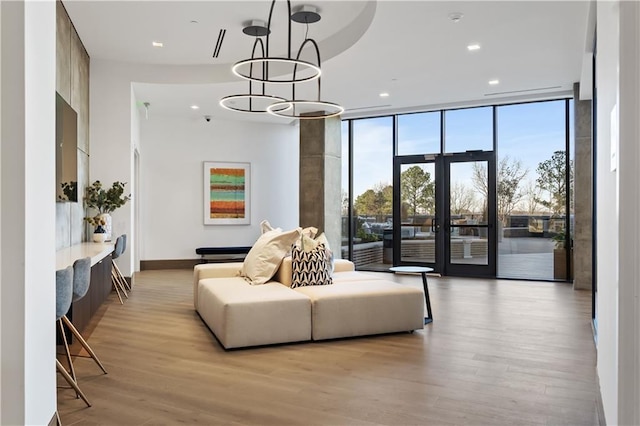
445 213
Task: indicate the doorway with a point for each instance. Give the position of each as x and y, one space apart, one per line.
447 210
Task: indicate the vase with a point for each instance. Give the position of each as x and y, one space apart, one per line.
99 237
107 227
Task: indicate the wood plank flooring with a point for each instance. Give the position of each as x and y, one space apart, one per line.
497 353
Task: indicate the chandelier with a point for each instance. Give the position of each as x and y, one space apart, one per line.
290 71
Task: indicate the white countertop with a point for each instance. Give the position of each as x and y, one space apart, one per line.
96 251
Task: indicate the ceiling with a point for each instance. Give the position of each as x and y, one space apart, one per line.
411 50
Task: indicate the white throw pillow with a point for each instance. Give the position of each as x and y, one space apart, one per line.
262 261
265 227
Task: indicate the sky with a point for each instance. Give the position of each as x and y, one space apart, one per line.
528 132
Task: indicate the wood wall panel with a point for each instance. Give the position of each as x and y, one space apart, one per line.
63 53
80 88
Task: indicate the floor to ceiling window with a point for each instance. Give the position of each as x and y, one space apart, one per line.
372 192
483 187
531 190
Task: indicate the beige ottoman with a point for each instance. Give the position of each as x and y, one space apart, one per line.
240 314
357 308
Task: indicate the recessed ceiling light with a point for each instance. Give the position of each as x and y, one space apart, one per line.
494 82
473 47
195 107
157 44
384 95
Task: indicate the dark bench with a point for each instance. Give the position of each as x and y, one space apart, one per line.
222 254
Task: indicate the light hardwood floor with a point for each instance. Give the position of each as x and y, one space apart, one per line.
498 353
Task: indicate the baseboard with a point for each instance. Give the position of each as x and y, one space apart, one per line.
149 265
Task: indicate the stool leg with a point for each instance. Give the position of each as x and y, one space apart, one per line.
115 286
126 283
72 382
83 342
114 275
66 348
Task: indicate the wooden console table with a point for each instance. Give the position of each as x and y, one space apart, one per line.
83 310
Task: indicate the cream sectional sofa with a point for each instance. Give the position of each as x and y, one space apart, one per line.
356 304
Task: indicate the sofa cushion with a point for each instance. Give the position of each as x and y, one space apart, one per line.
267 253
213 270
241 315
358 308
310 267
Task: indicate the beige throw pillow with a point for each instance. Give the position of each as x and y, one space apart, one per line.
262 261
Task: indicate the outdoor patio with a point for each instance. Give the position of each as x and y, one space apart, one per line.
521 257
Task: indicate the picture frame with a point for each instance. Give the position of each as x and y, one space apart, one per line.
227 193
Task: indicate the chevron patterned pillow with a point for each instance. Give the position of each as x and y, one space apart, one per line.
310 267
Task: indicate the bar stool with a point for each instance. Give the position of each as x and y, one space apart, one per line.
115 279
120 275
81 281
64 295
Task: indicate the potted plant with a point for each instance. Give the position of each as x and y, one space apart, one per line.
104 201
560 256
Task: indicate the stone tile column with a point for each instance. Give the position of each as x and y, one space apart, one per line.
583 192
320 174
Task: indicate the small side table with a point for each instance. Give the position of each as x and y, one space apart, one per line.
422 270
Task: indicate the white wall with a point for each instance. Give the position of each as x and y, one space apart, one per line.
110 133
618 209
132 245
172 155
607 212
28 212
629 207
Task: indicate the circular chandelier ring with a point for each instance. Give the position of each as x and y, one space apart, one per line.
294 63
273 109
225 103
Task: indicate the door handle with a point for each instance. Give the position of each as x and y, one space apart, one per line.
434 225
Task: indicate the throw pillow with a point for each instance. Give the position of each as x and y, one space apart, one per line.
264 258
265 227
310 267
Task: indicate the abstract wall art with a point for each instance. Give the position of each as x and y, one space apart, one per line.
227 193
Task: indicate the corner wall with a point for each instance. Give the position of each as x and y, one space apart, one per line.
172 195
607 61
618 207
27 284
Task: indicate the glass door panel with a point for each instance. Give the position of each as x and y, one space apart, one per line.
417 213
468 213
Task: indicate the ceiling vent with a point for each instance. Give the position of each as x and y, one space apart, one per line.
216 50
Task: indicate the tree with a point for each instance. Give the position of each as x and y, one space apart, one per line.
532 194
377 201
417 190
462 199
552 179
345 203
510 173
